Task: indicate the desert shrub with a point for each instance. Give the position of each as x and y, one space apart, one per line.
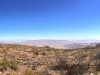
13 65
40 73
8 63
12 74
42 53
1 69
4 62
29 72
58 65
3 65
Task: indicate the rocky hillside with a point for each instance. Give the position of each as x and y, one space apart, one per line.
31 60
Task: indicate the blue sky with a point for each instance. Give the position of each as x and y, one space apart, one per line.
49 19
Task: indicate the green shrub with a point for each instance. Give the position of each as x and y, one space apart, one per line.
13 65
8 63
3 65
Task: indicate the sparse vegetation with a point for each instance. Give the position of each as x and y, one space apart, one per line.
29 72
13 65
49 61
8 63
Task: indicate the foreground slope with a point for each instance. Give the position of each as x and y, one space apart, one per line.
21 59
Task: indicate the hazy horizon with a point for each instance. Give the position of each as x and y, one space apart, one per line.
50 19
51 39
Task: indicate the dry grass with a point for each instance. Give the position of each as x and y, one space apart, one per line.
8 63
29 72
67 60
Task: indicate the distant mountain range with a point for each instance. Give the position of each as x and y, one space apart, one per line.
63 44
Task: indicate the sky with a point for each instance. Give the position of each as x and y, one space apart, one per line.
50 19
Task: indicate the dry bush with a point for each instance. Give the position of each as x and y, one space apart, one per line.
13 65
29 72
8 63
12 74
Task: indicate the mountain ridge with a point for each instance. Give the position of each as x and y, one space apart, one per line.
63 44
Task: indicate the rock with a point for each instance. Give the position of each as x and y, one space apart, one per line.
91 74
0 72
33 67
